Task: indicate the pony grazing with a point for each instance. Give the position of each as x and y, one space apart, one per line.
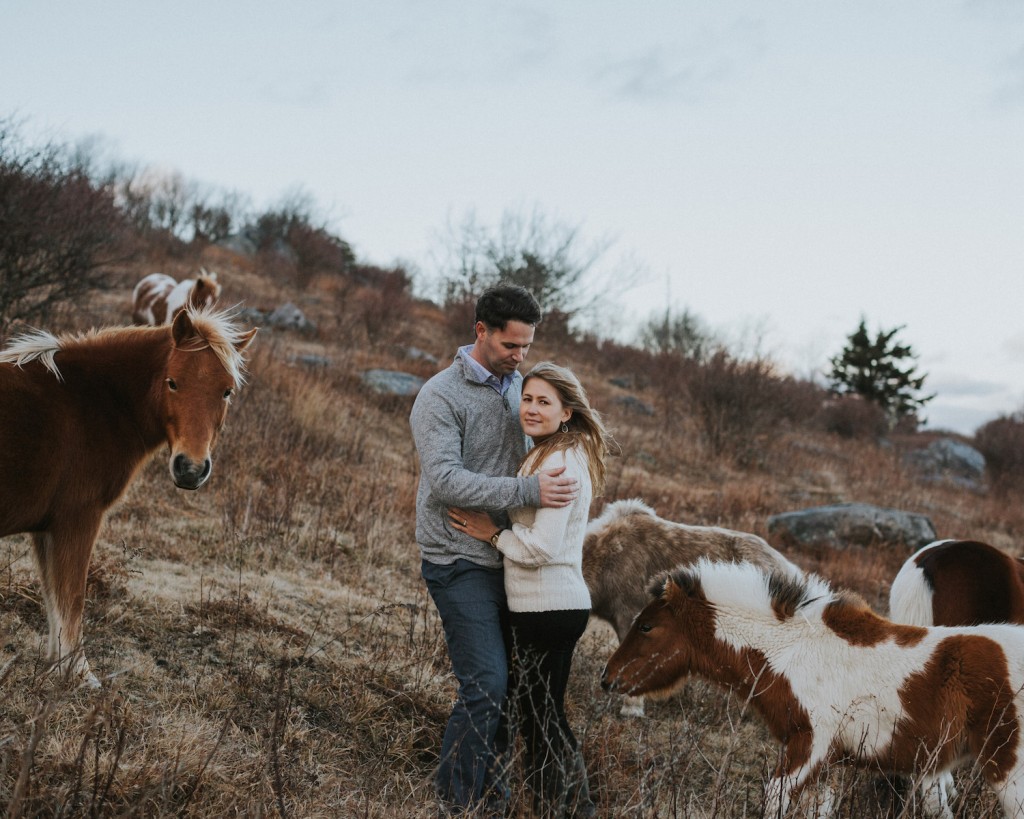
832 679
629 544
158 297
80 414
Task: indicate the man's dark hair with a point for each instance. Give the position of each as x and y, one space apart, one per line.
507 302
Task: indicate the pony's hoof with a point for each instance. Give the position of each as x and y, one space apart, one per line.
632 709
90 680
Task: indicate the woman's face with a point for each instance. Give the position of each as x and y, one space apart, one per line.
540 410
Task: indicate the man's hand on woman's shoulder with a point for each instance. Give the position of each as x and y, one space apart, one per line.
557 489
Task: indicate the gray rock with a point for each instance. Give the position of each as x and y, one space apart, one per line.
392 382
253 316
239 243
851 524
416 354
631 403
950 460
290 317
311 360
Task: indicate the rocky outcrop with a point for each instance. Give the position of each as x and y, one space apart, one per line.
949 460
851 524
392 382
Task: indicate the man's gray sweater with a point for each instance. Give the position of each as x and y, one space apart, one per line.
470 445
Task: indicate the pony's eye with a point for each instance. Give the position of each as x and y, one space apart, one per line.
228 393
171 385
645 628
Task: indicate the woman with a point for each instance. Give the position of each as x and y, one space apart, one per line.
547 596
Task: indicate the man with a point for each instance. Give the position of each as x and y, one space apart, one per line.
465 423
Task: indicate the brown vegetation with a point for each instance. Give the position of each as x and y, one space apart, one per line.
267 646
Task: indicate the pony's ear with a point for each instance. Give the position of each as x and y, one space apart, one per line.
246 339
182 329
681 586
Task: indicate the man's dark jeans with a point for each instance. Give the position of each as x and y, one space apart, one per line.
474 613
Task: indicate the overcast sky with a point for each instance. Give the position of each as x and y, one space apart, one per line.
780 169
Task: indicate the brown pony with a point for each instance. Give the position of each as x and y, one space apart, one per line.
157 297
78 417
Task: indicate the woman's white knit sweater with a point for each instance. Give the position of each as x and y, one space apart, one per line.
544 548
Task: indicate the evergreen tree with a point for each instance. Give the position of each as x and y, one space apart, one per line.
881 370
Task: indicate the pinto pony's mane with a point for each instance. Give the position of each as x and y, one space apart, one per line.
777 595
215 330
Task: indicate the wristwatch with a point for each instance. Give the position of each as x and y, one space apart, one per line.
494 538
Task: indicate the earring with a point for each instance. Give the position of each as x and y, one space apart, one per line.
565 427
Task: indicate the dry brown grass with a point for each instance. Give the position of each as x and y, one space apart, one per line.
267 646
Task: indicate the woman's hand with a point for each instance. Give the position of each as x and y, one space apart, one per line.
475 524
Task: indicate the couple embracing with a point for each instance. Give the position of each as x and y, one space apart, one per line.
500 526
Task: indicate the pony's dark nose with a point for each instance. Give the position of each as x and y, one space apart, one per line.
605 684
188 474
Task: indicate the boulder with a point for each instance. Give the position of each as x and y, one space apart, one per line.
416 354
851 524
311 360
290 317
948 459
630 403
392 382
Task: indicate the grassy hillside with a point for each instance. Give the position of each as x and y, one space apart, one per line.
266 644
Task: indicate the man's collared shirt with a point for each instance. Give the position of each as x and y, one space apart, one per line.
485 376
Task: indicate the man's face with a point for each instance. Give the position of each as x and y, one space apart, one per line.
502 351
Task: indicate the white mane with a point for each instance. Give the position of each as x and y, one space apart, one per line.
223 336
745 589
32 346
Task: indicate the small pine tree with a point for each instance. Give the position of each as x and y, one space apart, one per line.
872 369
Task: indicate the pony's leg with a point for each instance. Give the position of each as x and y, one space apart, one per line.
632 707
776 797
783 788
62 558
817 803
936 791
1011 794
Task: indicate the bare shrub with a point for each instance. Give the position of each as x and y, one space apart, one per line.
852 416
1001 441
59 230
460 314
295 246
385 304
738 405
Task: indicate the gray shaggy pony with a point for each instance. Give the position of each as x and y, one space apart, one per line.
628 544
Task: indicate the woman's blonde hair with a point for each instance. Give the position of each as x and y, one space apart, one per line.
584 429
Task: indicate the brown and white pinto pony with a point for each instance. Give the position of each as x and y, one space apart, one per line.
958 583
832 679
157 297
628 545
78 417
